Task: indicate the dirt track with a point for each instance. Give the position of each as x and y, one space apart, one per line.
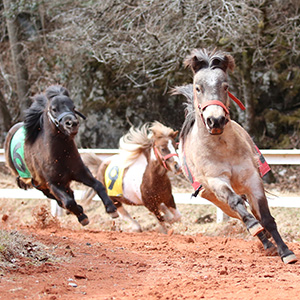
100 262
149 265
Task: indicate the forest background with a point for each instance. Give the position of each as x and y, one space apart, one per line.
119 60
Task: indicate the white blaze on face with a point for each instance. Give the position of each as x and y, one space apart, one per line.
173 151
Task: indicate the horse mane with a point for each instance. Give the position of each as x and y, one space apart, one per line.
137 140
133 143
33 122
34 119
187 91
159 130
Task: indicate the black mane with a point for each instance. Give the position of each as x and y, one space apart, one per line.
187 91
34 119
33 122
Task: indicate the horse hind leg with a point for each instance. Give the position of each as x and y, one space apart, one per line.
124 215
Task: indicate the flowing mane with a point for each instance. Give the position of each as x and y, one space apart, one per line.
187 91
34 118
133 143
137 140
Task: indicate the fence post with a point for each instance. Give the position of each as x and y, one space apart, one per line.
56 210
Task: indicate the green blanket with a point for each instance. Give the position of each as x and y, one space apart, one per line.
17 153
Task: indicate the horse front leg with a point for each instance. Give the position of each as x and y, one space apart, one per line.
287 256
224 193
89 180
260 208
66 199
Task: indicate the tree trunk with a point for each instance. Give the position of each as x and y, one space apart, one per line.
248 94
18 57
5 119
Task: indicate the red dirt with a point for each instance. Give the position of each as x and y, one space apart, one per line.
118 265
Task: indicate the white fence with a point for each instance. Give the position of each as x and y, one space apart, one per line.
273 157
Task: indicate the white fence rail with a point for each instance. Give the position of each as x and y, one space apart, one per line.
273 157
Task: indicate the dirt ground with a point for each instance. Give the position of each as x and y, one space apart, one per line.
59 259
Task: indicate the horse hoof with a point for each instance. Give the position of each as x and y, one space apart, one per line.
83 219
85 222
256 229
290 259
114 215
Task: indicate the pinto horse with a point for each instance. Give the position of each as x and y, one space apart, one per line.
140 171
218 153
41 152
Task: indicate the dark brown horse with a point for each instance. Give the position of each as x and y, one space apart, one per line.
218 153
140 171
41 152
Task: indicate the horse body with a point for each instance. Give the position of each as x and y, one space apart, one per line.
220 154
145 180
51 154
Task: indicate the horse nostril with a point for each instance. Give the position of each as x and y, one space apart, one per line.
209 122
222 121
71 123
75 123
216 122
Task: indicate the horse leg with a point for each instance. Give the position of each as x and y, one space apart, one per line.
260 208
155 210
167 213
287 256
124 215
225 194
171 213
69 203
267 244
88 179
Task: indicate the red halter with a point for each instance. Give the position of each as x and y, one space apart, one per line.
163 158
217 102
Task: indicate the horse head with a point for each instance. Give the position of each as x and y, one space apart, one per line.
164 146
61 110
210 87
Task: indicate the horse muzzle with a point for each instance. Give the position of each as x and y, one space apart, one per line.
215 125
70 124
215 116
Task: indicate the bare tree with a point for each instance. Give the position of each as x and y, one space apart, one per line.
18 55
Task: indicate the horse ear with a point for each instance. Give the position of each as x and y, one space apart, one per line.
174 135
196 64
231 63
223 63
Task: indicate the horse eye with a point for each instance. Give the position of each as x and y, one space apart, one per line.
54 109
198 89
225 85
